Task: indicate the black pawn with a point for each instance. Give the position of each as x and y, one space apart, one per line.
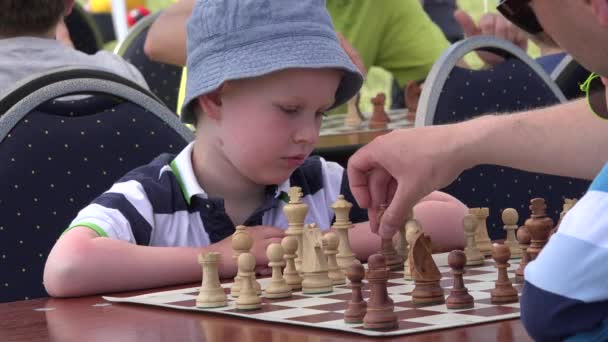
459 297
356 306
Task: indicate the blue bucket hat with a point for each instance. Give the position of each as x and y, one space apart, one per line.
236 39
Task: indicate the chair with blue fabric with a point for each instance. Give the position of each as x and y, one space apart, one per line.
452 94
163 79
569 75
59 149
83 29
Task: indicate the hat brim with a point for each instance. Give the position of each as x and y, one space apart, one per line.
208 71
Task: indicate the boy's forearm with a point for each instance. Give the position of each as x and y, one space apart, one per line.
166 40
564 140
101 265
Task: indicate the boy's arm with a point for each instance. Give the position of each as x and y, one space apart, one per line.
82 263
166 40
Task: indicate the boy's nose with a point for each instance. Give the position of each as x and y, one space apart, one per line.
306 134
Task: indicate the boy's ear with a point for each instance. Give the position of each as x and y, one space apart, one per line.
211 104
69 4
600 7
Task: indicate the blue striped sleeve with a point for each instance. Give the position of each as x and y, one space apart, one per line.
566 290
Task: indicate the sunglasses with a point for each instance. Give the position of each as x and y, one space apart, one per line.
595 90
521 14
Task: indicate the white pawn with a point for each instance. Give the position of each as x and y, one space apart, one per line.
241 243
334 272
248 296
474 256
509 218
278 287
291 275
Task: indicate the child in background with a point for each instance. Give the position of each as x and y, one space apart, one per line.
262 74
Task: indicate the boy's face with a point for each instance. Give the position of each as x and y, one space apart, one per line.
269 125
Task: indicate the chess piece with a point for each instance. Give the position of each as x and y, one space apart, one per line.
249 298
296 211
380 309
241 243
393 260
353 118
568 204
333 271
459 297
539 226
427 290
357 307
412 228
341 227
524 242
474 256
314 264
504 292
379 118
411 93
290 274
509 218
481 234
211 294
278 287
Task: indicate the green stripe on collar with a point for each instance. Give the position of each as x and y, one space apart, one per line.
178 176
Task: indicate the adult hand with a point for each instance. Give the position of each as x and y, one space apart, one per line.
402 167
492 24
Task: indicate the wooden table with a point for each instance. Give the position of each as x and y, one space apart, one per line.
335 134
93 319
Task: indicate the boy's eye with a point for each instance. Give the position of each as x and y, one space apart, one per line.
289 110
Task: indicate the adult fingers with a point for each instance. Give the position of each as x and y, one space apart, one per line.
487 24
466 22
359 166
395 215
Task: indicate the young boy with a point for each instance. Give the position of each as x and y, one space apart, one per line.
261 76
30 31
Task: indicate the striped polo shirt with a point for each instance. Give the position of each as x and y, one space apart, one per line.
566 288
162 203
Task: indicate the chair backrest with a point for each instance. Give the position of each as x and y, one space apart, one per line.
58 155
452 94
163 79
83 30
569 75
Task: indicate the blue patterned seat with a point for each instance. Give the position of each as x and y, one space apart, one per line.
163 79
57 155
452 94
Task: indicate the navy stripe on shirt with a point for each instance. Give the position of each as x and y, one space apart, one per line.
551 317
139 226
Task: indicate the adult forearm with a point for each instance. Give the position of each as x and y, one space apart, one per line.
166 40
563 140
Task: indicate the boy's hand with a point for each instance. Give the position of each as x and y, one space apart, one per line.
262 236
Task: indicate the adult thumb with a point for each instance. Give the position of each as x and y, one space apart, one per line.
396 214
466 22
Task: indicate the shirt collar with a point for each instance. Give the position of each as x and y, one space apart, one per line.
183 170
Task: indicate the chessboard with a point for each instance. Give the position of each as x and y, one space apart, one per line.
327 310
334 124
